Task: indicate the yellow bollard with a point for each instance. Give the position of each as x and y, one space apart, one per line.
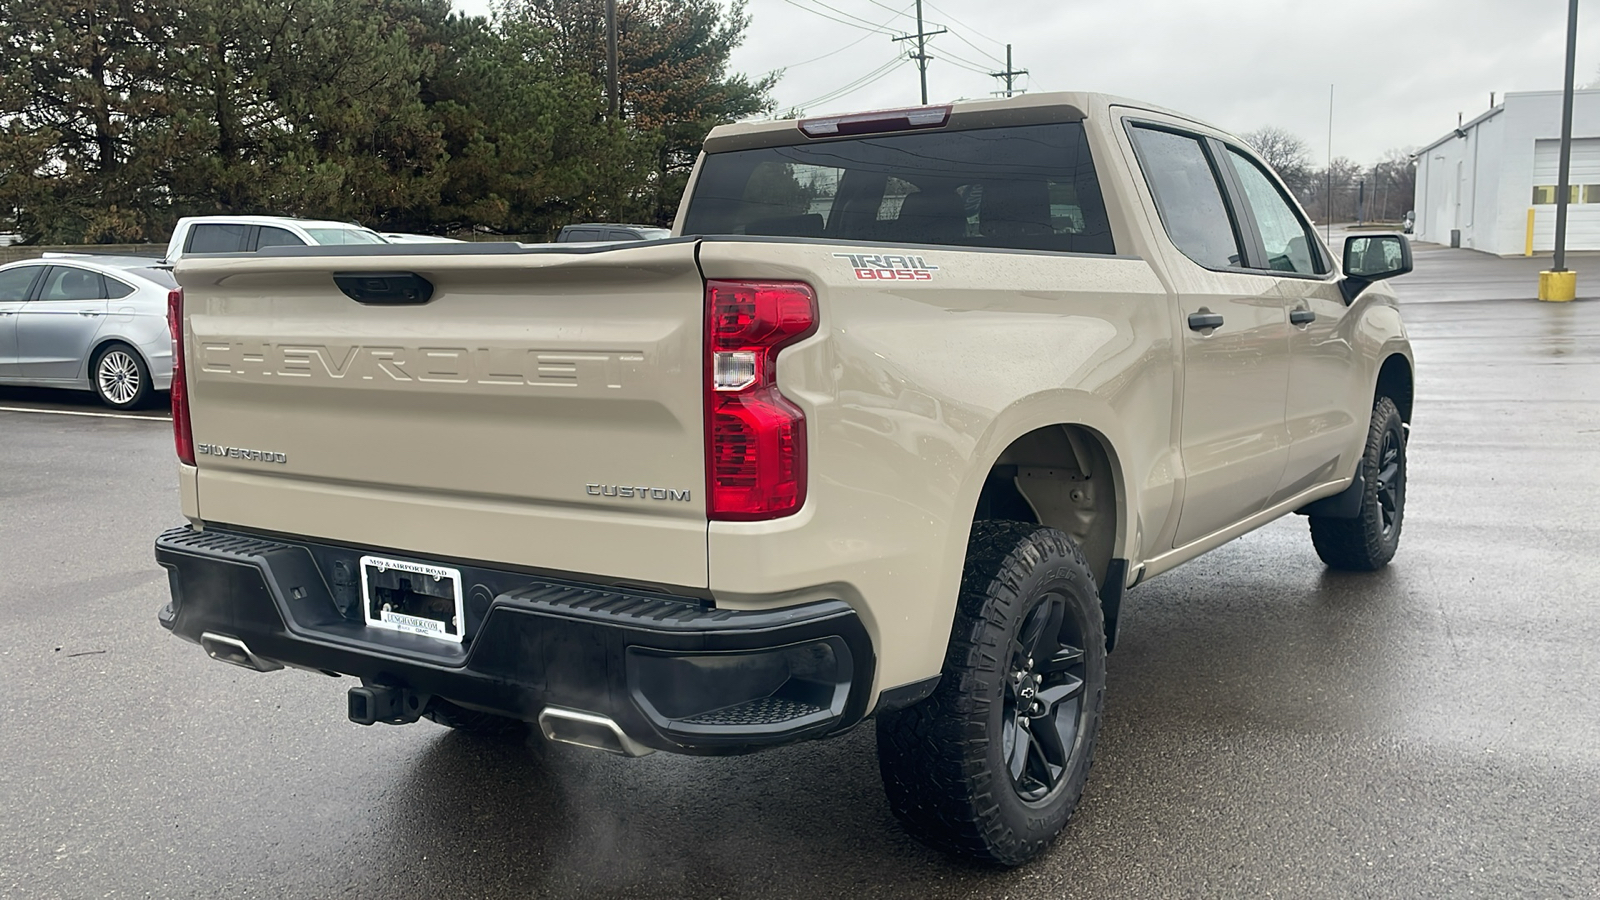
1558 287
1527 249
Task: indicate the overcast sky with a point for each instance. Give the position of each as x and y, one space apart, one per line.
1401 69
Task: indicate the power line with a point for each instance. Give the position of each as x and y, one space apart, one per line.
849 18
818 12
962 62
897 13
963 24
850 15
845 47
966 67
958 36
863 81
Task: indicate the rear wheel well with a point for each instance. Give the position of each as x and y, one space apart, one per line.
1060 476
1395 382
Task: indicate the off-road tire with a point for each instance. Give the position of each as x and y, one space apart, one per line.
119 377
944 760
471 721
1367 542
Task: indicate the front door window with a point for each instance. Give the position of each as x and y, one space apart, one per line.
1286 237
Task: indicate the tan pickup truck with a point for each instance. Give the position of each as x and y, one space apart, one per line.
885 429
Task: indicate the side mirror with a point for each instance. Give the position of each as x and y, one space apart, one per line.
1374 257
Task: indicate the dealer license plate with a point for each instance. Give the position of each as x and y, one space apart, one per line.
413 597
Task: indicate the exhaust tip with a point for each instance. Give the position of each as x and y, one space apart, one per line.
234 652
571 726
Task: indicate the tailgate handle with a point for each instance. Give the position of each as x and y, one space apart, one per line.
385 288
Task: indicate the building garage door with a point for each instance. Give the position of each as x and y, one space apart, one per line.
1583 215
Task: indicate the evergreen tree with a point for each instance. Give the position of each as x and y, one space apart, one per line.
673 77
86 126
118 116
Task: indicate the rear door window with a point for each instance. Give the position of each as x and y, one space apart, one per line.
14 283
1188 196
1029 187
70 283
217 238
277 237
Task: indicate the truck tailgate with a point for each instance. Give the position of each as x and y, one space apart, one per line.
542 410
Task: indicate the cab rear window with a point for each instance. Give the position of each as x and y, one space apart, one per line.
1029 187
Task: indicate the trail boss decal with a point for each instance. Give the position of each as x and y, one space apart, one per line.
888 267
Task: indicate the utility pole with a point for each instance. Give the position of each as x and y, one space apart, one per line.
921 56
1558 283
1563 179
1009 73
614 101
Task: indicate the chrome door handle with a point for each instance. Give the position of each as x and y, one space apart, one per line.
89 312
1301 317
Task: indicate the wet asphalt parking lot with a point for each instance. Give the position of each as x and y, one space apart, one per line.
1272 729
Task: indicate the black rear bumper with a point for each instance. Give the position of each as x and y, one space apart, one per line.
673 673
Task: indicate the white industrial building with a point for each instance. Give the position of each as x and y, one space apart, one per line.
1477 185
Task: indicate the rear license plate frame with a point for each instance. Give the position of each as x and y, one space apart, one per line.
408 623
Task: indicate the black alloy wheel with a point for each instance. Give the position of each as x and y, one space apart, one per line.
1044 709
1389 485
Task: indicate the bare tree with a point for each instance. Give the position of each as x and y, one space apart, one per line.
1286 153
1395 179
1381 192
1341 186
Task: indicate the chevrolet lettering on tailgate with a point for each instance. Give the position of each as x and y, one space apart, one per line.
441 365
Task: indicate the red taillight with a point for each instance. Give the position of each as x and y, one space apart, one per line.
182 433
755 437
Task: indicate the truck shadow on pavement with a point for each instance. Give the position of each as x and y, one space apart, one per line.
808 820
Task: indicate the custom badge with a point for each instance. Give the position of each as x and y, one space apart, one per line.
889 267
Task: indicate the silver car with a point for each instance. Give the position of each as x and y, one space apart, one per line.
96 323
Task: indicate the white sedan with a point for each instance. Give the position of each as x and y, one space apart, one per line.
95 323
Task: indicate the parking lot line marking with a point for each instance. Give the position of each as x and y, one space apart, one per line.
92 415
